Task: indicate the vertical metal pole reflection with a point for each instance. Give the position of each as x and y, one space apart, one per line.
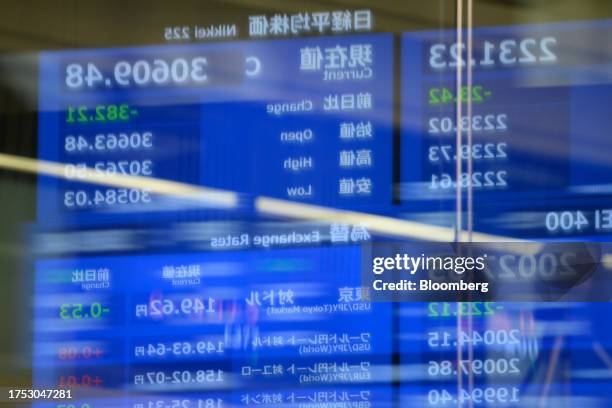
458 163
458 133
470 63
470 208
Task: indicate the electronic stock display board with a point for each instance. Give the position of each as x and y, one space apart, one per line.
364 123
317 125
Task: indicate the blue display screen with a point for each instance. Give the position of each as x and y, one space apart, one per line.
312 121
539 119
219 183
215 322
302 120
